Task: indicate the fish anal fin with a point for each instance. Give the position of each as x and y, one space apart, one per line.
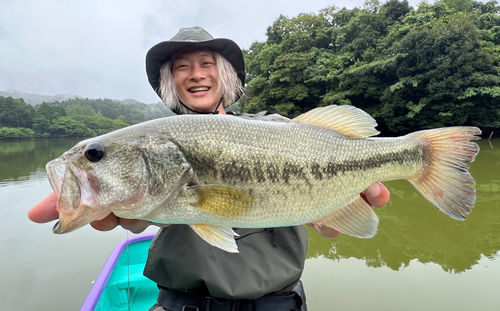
222 201
356 219
345 119
221 237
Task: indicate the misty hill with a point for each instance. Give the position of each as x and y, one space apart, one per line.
37 99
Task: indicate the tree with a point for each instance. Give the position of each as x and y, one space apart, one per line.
411 69
41 125
66 126
50 111
15 113
17 132
395 10
80 110
442 77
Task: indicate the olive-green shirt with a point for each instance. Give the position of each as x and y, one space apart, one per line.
269 260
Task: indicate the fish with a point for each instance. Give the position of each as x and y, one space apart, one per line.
219 172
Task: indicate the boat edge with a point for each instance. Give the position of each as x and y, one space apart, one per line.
98 288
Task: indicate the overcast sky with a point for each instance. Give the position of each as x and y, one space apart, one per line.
96 48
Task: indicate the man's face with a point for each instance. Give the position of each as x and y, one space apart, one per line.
195 77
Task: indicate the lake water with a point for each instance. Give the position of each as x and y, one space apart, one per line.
419 260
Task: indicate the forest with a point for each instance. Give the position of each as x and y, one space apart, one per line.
72 118
410 68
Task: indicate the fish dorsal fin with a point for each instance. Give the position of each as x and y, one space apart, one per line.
345 119
356 219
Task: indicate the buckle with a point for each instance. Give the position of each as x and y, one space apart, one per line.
190 308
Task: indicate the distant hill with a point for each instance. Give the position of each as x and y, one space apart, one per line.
37 99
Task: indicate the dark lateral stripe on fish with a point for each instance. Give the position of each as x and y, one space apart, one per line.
261 172
405 156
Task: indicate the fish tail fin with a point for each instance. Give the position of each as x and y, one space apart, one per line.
446 181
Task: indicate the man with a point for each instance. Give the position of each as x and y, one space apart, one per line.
195 73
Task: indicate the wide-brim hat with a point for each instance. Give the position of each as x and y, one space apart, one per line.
196 36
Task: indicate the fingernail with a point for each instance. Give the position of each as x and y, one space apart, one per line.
374 190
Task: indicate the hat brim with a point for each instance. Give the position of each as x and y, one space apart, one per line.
162 52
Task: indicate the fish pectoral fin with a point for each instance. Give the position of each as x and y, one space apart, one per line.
345 119
356 219
222 201
221 237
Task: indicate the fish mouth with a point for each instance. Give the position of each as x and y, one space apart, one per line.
75 206
65 184
55 171
83 216
58 228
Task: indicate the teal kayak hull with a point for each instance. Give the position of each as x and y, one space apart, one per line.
121 284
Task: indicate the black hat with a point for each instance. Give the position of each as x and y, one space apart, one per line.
161 53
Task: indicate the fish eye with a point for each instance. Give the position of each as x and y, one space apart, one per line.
94 152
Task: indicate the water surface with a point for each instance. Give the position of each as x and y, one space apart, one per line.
420 259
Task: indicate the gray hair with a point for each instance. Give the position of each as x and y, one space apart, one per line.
227 81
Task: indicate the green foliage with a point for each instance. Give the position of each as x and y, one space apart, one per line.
134 112
15 112
72 118
67 126
41 126
50 111
15 132
444 63
411 69
98 124
80 110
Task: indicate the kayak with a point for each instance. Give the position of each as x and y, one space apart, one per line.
121 284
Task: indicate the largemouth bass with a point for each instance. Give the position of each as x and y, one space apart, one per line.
219 172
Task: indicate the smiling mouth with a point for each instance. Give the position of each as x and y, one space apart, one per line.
199 89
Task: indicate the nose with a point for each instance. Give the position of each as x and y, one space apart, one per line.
197 73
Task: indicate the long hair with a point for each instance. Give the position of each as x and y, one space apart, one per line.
227 81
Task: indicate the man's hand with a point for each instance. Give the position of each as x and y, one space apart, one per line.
45 211
111 221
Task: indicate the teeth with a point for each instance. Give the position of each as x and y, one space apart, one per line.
199 89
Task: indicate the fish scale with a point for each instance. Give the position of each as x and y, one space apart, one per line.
219 172
288 196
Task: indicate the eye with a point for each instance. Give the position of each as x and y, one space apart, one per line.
94 152
180 67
